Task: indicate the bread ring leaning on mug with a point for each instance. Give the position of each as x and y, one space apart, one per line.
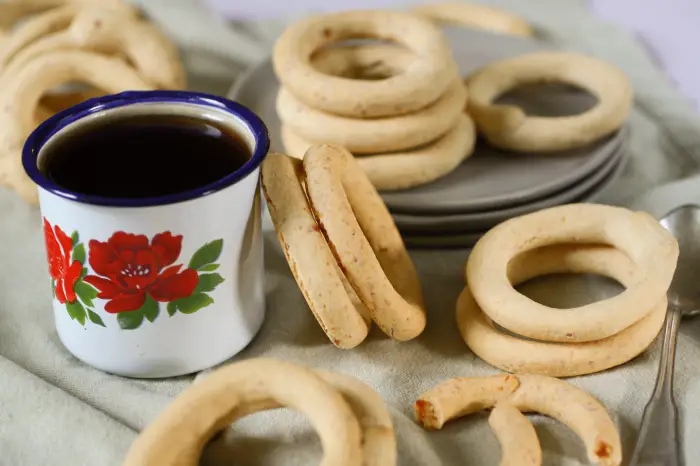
179 434
476 16
508 127
528 393
557 359
653 249
340 314
422 84
115 32
364 239
20 93
406 169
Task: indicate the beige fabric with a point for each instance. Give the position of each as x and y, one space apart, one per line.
56 411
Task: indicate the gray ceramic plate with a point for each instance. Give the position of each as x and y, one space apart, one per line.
468 239
490 179
479 221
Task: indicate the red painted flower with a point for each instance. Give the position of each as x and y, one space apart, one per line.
130 268
64 273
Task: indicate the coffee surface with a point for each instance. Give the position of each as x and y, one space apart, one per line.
142 156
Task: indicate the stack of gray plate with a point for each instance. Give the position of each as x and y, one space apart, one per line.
492 185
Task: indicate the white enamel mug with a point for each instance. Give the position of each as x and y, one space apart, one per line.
155 287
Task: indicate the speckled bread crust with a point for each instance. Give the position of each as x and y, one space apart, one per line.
406 169
528 393
365 240
178 435
21 92
508 127
557 359
422 84
476 16
372 136
653 249
333 302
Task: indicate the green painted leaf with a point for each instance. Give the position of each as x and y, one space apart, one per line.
79 253
53 289
94 318
209 268
172 308
150 309
76 311
208 281
207 254
75 238
83 273
193 303
85 292
130 320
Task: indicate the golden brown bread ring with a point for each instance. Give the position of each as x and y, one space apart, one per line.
557 359
179 434
331 299
422 84
23 90
364 239
528 393
112 32
406 169
653 249
508 127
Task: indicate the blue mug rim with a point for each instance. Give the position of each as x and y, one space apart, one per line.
46 130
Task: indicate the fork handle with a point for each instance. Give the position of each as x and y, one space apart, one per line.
658 443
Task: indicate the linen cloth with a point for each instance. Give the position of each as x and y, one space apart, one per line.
54 410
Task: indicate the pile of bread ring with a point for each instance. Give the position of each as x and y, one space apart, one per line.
342 246
352 420
57 53
630 247
403 109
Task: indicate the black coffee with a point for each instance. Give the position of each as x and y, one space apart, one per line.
143 156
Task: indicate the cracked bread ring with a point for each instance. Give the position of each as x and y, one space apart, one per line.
516 436
528 393
476 16
364 240
422 84
406 169
371 136
332 301
508 127
653 249
518 355
179 434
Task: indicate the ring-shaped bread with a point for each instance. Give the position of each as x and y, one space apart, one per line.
406 169
508 127
114 32
339 312
476 16
422 84
528 393
178 435
637 234
22 91
372 136
365 241
557 359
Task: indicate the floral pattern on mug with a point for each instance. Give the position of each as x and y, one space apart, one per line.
134 275
66 256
